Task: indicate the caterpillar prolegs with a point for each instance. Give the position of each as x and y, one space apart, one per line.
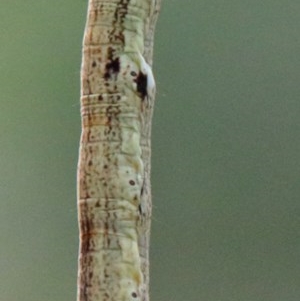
114 199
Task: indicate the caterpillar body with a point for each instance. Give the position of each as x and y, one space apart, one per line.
114 201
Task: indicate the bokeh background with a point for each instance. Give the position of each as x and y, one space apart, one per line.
226 150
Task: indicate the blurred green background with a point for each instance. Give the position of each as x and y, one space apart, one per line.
226 150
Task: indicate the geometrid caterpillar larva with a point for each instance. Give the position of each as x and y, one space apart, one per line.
114 201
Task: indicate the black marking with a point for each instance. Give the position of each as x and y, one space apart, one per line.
141 82
134 294
142 189
113 65
140 209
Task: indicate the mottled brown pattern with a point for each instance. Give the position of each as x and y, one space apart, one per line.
114 198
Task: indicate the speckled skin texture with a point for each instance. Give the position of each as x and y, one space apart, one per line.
114 198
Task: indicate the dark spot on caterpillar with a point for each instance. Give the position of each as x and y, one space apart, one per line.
134 295
100 97
142 190
94 64
141 82
131 182
113 67
133 73
140 209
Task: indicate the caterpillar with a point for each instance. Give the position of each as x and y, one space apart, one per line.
113 177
